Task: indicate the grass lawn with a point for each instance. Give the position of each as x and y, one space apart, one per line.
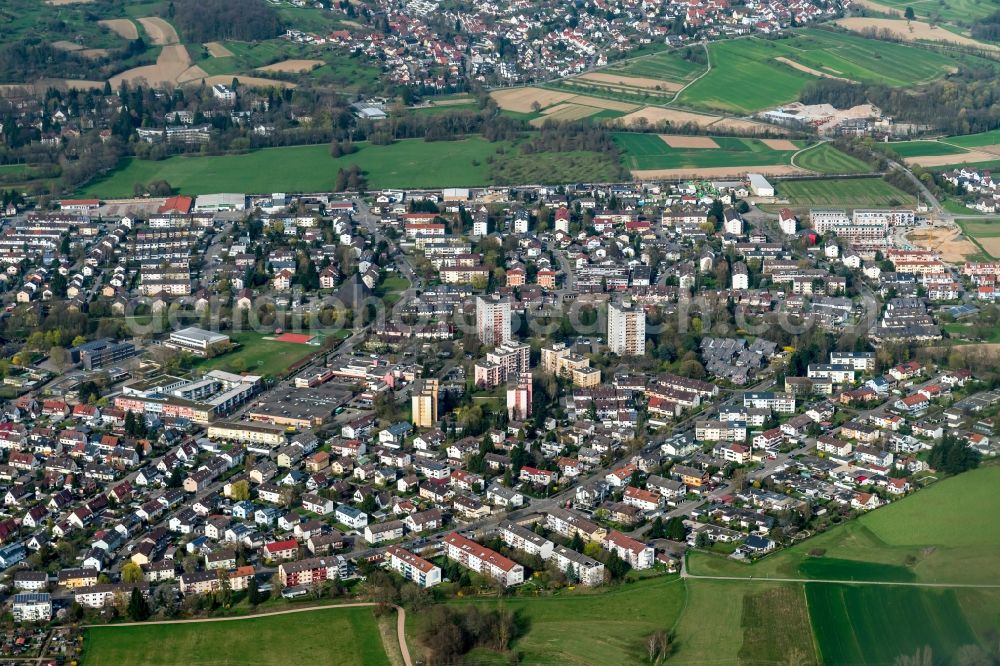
824 158
959 11
580 166
409 163
589 628
856 192
931 533
878 624
744 78
976 140
923 148
746 75
392 288
730 622
346 636
668 65
257 355
956 206
649 151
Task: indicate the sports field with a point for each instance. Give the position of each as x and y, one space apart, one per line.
342 636
409 163
747 76
824 158
879 624
258 355
857 192
651 151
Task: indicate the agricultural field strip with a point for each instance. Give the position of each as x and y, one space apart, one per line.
827 581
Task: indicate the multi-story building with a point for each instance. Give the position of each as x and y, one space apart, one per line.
482 560
424 404
311 571
203 582
587 570
413 567
521 538
557 359
720 431
101 353
493 320
387 531
519 398
783 403
567 523
861 361
32 607
626 330
636 553
249 433
102 594
505 361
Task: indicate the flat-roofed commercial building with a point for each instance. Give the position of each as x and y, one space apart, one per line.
196 341
249 433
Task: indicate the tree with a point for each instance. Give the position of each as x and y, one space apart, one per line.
59 357
131 573
225 594
908 14
701 541
675 529
240 490
253 592
138 607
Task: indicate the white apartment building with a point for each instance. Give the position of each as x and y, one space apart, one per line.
783 403
626 330
493 320
32 607
413 567
521 538
587 570
636 553
482 560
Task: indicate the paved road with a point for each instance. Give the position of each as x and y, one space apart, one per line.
400 621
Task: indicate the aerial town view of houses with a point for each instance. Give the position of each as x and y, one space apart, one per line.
603 332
